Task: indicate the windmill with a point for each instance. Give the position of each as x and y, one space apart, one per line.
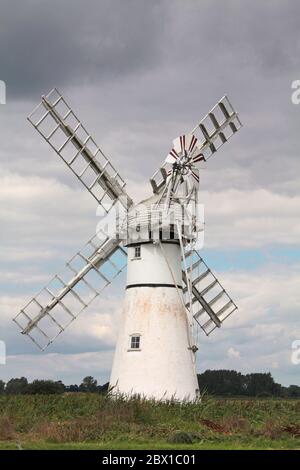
170 291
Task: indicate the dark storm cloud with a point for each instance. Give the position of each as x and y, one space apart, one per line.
44 43
241 32
143 72
53 42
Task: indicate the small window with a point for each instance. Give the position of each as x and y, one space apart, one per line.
137 252
135 342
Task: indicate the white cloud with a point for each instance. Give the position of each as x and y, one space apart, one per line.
259 335
244 218
262 330
267 297
71 367
41 205
24 277
233 353
45 218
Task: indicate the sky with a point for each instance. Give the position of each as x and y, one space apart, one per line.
138 74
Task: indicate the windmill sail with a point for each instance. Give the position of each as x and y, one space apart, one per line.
215 129
59 126
85 276
211 304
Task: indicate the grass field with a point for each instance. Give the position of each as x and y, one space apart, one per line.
92 421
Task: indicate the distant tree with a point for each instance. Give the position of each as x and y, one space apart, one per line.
222 382
89 384
261 384
277 390
45 387
103 388
231 382
16 386
72 388
2 387
218 382
293 391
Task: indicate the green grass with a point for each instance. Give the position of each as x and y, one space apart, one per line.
90 421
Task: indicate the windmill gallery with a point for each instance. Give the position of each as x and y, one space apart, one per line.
170 291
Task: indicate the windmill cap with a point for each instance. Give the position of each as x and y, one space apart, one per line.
149 220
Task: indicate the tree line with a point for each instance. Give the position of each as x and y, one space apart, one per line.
233 383
215 382
21 386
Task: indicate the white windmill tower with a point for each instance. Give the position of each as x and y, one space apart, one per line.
170 290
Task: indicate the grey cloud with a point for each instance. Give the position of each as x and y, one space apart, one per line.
140 73
46 43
